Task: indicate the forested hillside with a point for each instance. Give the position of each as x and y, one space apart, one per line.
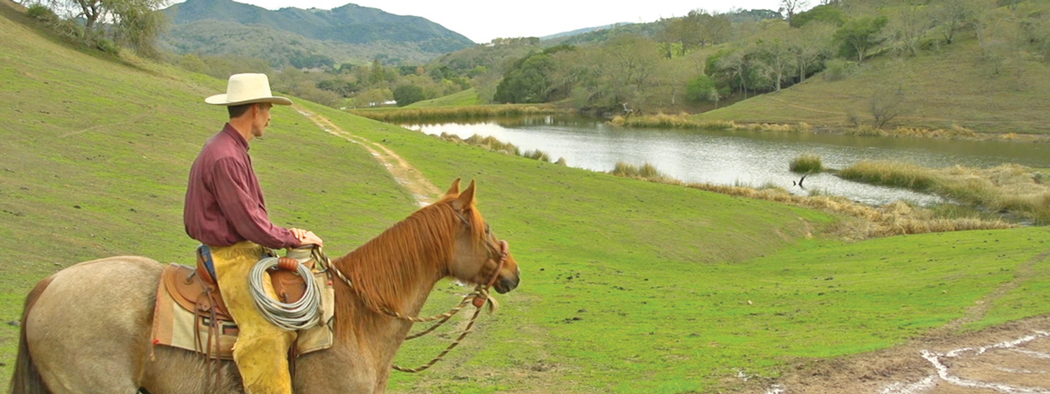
307 38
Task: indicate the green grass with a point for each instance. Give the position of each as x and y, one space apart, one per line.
460 99
630 286
942 90
627 285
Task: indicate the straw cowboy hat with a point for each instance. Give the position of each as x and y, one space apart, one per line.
247 89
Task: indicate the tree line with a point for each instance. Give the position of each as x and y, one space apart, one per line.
695 62
702 58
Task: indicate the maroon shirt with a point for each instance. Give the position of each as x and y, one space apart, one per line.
224 204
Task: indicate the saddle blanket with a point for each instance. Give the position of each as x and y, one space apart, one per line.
175 326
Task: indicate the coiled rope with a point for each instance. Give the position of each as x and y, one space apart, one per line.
299 315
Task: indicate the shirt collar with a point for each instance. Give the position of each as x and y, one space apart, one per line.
236 135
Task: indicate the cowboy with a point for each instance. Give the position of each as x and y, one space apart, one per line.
225 210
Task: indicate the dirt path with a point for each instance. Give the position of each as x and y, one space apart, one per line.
407 176
1012 358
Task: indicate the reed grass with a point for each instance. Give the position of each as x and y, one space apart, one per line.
897 218
453 113
537 155
683 121
647 172
955 131
806 164
493 144
1008 189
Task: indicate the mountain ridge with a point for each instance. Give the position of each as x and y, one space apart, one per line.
403 36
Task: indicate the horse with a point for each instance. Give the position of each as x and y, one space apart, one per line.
86 328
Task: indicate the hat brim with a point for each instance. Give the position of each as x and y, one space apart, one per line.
220 99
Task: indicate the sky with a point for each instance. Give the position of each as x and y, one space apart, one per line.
483 20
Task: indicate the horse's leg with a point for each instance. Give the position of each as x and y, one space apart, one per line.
89 331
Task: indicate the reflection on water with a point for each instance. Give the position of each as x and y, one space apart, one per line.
741 157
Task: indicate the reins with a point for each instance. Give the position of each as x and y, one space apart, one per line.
478 298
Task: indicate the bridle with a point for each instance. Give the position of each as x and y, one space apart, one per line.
478 298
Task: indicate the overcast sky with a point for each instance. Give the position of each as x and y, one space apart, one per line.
483 20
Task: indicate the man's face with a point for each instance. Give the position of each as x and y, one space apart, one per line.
261 118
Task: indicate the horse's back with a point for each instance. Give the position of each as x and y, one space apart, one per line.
89 328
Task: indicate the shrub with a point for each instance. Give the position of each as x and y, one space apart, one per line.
537 155
838 69
108 46
806 164
703 88
40 12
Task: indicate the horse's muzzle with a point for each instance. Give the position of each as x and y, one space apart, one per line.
503 285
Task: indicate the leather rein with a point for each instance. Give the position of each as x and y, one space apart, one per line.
478 298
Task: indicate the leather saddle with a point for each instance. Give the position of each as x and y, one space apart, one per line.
195 289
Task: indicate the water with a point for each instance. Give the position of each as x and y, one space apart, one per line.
743 158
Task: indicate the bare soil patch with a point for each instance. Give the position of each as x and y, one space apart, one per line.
1010 358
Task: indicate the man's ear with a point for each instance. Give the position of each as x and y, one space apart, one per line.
454 189
465 199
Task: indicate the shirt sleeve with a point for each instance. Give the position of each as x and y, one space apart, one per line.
244 210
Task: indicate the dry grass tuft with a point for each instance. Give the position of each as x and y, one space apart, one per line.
495 145
869 222
1009 188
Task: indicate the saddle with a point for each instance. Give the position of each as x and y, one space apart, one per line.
195 289
191 314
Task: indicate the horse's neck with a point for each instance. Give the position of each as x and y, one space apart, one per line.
360 327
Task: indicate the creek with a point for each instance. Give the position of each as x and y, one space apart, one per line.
742 157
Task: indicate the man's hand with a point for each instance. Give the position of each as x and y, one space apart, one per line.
306 237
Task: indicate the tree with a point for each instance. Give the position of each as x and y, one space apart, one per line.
408 94
910 23
702 88
527 81
775 49
811 47
822 13
135 23
887 104
952 15
697 29
789 7
859 35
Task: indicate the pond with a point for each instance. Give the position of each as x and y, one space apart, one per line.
742 157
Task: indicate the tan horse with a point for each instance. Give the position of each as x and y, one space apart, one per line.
86 329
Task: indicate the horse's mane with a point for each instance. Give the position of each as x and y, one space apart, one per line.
383 269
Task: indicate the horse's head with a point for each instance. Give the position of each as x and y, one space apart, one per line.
479 257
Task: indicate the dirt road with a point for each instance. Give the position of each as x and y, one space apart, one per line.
406 175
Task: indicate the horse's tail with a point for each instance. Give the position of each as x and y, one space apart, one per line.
26 379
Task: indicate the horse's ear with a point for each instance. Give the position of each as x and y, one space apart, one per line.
466 198
454 189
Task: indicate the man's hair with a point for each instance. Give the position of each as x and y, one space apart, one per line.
237 110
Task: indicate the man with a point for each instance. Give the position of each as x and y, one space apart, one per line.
226 211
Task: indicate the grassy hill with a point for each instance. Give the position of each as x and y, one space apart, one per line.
628 286
956 86
460 99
